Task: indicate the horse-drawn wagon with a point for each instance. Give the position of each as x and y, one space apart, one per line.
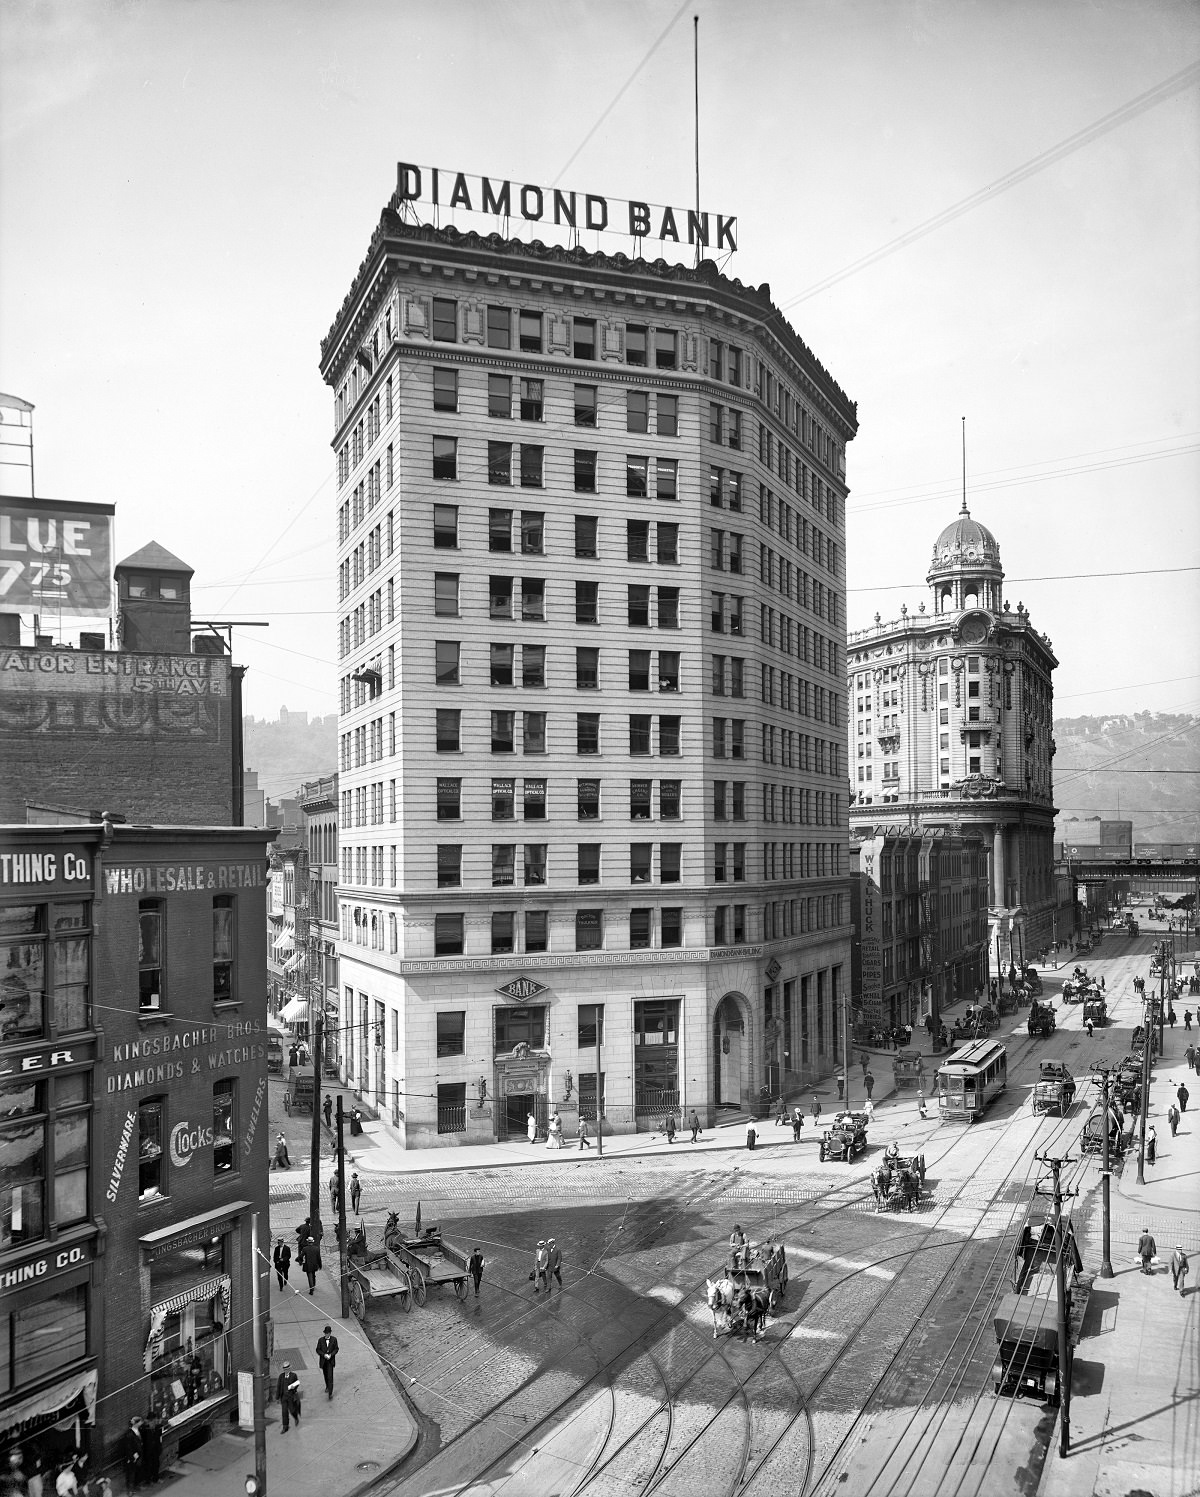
1095 1010
898 1181
908 1070
1091 1140
749 1287
1041 1019
1026 1321
377 1275
299 1094
1054 1090
429 1260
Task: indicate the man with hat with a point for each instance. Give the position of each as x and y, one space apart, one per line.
327 1350
541 1268
554 1264
287 1391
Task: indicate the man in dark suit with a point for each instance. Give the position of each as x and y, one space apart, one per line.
327 1350
287 1391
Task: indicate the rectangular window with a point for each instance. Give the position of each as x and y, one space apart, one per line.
533 599
500 396
503 862
587 668
669 858
445 389
736 676
637 477
720 812
535 863
638 606
664 349
449 799
583 337
667 478
448 723
669 803
589 930
587 732
735 492
447 935
666 537
585 405
717 612
222 936
637 410
502 800
503 923
587 607
446 662
585 471
452 1032
533 665
530 332
668 737
515 1026
668 608
635 344
224 1127
640 857
500 463
668 664
637 540
445 457
502 665
499 327
449 865
452 1107
734 436
588 854
500 529
714 423
639 929
533 528
534 792
640 799
639 670
716 487
445 595
587 800
585 535
445 527
537 930
639 733
502 732
152 1178
533 732
668 415
531 466
151 921
531 400
445 320
670 926
500 597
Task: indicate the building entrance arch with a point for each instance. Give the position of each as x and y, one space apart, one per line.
731 1083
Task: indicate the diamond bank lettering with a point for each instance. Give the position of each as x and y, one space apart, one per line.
499 198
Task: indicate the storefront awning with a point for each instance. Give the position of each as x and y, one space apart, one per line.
294 1010
293 962
206 1289
52 1399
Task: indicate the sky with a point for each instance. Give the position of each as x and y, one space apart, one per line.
989 211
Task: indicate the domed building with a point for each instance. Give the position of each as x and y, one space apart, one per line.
950 728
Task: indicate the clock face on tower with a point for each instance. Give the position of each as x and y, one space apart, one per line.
973 630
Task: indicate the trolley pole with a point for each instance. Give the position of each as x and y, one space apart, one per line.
1106 1268
343 1277
314 1164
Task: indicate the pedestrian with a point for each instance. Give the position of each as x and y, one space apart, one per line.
287 1391
1089 1029
282 1259
869 1083
531 1128
582 1132
1147 1250
868 1109
1187 1021
781 1113
670 1127
751 1134
355 1192
694 1125
303 1231
1189 1055
797 1125
327 1352
356 1126
1173 1118
554 1262
310 1261
327 1109
1183 1094
541 1268
334 1194
1179 1267
131 1455
282 1159
921 1104
841 1084
1151 1144
862 1055
815 1109
1171 1015
294 1055
151 1449
475 1268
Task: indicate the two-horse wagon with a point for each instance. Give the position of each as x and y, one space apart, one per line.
749 1287
897 1182
429 1260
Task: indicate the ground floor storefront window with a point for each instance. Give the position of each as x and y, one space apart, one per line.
186 1351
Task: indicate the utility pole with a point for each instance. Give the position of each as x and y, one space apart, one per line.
343 1277
314 1164
1144 1107
1106 1268
599 1012
1168 954
257 1312
1060 1262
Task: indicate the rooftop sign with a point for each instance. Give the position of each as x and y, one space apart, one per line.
438 187
55 557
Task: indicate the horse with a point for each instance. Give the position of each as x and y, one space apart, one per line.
720 1299
754 1305
881 1185
910 1189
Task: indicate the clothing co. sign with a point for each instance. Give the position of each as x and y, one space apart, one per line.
501 198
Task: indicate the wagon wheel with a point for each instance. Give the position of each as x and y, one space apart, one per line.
419 1292
405 1296
358 1300
460 1288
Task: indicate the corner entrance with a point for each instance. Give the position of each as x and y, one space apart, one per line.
729 1054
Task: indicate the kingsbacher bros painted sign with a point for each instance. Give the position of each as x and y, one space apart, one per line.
587 210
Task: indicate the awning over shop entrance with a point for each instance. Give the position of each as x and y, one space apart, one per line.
294 1010
51 1400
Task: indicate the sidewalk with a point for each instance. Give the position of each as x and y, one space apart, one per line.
341 1446
1135 1411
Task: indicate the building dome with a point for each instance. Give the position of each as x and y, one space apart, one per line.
965 545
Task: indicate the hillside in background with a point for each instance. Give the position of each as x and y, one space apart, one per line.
288 752
1092 775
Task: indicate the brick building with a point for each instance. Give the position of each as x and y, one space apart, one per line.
592 774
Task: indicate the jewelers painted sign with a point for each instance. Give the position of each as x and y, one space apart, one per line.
497 197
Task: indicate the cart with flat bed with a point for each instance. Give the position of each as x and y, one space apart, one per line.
430 1261
375 1276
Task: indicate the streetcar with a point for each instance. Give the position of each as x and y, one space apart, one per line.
969 1080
